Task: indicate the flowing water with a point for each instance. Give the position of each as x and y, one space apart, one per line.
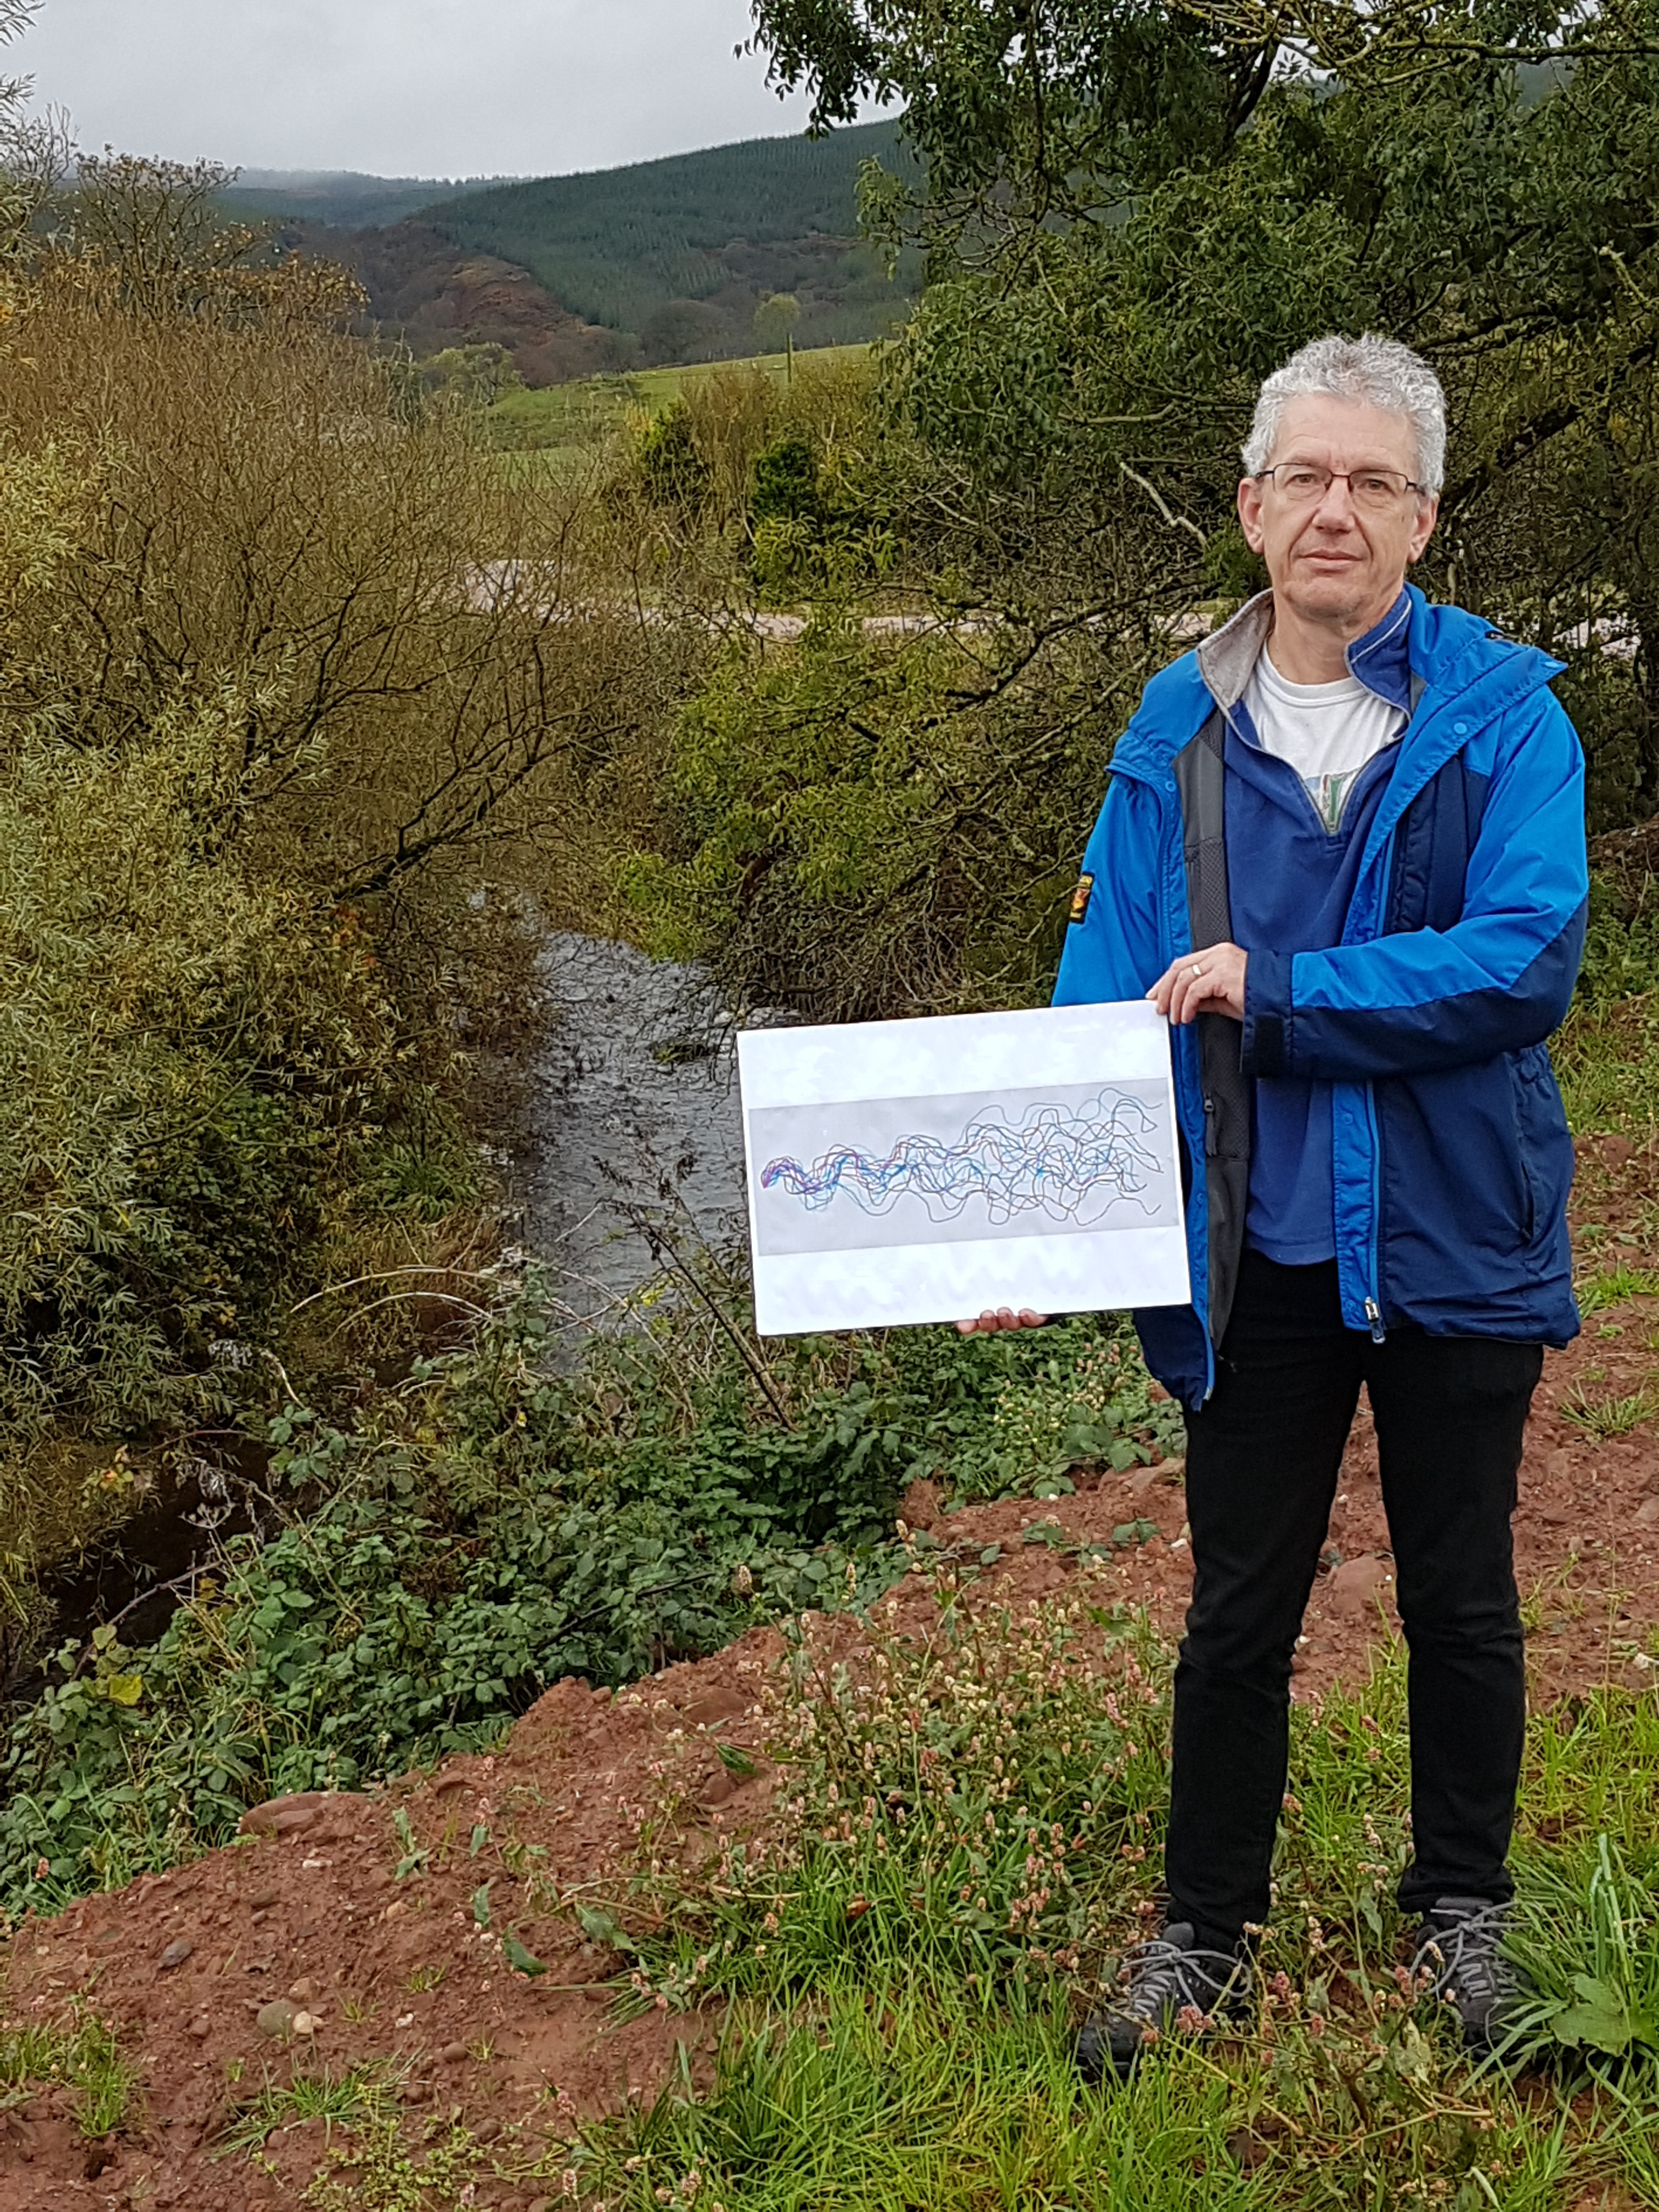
632 1114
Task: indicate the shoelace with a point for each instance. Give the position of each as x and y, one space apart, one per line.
1163 1974
1471 1962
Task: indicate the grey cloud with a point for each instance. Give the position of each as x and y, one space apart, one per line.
423 88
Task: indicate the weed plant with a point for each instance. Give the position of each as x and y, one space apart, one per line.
83 2058
354 2101
496 1523
960 1800
1607 1053
896 2030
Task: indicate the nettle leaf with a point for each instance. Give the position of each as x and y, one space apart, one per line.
601 1926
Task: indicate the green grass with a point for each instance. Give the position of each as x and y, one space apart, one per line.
1608 1413
1607 1051
897 2035
356 2102
560 423
85 2059
932 2099
658 386
964 1835
1611 1286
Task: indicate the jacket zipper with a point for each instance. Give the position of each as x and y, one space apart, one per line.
1171 935
1374 1301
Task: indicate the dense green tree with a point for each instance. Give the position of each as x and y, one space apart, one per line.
1136 211
775 320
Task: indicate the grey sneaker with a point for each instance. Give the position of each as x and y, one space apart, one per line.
1461 1952
1169 1983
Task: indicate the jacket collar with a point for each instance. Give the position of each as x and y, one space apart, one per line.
1460 674
1227 658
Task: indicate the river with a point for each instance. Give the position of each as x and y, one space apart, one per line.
633 1109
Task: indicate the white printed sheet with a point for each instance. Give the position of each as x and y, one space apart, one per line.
921 1171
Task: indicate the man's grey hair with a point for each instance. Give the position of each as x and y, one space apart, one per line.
1378 371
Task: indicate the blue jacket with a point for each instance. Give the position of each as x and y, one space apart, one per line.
1450 1155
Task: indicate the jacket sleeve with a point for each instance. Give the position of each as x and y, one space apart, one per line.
1500 978
1111 949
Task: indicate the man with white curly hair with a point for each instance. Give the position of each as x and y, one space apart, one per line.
1342 849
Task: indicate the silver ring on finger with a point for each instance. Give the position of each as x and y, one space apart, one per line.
1196 969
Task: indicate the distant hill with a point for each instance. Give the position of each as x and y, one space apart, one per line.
663 263
433 295
677 254
344 198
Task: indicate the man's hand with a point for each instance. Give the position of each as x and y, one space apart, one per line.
1207 983
1001 1317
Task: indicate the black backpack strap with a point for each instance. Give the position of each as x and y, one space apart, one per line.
1201 774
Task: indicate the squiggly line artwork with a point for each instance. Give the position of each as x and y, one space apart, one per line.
1070 1164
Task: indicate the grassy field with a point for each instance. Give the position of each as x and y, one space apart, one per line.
566 419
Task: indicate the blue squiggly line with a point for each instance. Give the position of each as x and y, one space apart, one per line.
1070 1164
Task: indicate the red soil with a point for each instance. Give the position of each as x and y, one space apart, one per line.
311 1908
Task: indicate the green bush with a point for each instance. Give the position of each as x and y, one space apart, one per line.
873 825
190 1063
671 469
786 482
460 1548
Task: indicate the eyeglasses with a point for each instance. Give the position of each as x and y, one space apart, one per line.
1302 484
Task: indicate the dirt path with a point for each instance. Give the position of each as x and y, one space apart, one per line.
309 1909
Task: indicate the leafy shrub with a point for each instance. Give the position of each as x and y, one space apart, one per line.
190 1062
273 516
672 471
952 1800
786 482
461 1546
1098 1404
872 825
271 681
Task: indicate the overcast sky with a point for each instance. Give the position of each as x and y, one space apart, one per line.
403 88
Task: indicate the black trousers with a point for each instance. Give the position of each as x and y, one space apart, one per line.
1262 1459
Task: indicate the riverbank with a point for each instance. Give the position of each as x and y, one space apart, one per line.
457 1907
465 1946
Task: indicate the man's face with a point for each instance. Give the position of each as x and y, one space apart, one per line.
1331 560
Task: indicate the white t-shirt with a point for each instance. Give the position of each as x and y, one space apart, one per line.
1327 731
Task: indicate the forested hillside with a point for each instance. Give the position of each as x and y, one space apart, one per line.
682 251
344 199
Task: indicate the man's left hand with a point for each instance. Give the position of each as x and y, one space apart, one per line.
1207 983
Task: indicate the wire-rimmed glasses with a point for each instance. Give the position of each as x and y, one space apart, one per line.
1304 483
